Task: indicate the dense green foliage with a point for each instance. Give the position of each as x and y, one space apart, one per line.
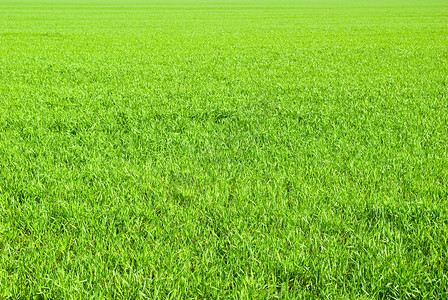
237 149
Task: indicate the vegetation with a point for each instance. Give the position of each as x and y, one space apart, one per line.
247 149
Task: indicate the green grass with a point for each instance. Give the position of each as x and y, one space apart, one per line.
205 149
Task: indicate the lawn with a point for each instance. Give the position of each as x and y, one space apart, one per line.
223 149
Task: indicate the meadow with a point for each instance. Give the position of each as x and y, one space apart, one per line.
223 149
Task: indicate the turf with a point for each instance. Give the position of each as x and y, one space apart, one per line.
218 149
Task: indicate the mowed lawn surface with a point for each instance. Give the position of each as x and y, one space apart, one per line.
252 149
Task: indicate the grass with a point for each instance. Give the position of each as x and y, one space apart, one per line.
218 149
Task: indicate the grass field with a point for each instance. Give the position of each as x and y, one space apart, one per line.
205 149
